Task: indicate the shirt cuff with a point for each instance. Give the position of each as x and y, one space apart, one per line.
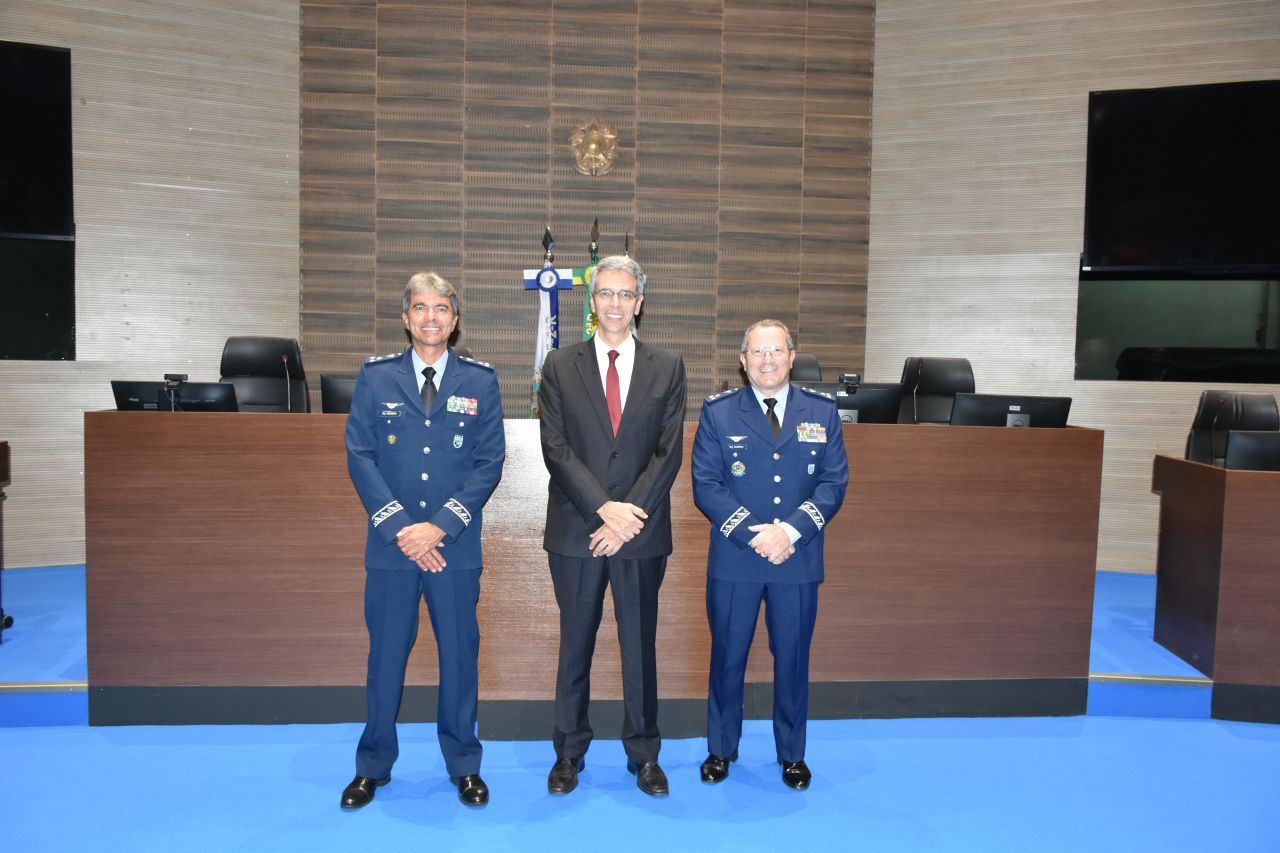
791 531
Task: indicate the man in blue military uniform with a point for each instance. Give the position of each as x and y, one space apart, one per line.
769 470
425 448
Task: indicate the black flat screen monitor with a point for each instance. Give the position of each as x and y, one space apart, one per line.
1253 450
1004 410
870 403
1183 181
186 397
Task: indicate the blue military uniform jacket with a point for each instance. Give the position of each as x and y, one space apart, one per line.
742 476
410 466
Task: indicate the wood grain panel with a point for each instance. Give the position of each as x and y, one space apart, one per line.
473 110
960 553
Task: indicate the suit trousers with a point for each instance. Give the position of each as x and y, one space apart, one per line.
579 586
791 612
391 614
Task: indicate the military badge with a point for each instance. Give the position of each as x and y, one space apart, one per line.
391 439
457 441
816 433
738 469
463 405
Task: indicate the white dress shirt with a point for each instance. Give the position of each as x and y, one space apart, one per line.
625 363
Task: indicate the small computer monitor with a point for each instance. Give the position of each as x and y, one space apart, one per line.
869 402
1007 410
184 397
1253 450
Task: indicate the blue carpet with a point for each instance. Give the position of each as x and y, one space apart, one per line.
1051 784
46 642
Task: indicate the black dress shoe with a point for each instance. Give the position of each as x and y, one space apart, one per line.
795 774
650 778
715 769
563 777
360 791
472 791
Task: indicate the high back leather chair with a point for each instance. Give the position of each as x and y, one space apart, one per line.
1221 411
806 368
335 393
267 374
929 388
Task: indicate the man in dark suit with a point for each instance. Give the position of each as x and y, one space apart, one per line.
769 470
425 448
612 438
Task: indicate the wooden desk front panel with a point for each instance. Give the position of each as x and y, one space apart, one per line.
225 550
1249 591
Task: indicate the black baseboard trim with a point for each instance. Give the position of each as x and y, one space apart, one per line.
1245 703
534 719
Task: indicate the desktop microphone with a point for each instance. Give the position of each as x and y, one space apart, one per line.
288 396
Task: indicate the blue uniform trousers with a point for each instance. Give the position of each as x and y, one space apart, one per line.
791 611
391 614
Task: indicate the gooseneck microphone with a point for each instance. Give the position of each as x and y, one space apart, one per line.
288 395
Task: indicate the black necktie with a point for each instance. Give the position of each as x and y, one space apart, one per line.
773 417
428 389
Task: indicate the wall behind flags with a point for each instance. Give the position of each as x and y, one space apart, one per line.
435 136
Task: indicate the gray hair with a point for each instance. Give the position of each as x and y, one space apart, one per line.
425 282
768 324
618 262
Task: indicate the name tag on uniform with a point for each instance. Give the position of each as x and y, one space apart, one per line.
389 410
463 405
815 433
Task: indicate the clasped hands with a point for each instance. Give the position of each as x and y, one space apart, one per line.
421 543
622 522
771 542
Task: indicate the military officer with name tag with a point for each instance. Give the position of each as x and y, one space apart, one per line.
770 471
425 448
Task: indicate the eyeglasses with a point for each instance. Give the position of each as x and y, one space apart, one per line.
623 295
775 351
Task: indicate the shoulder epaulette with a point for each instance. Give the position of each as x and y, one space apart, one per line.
477 363
815 392
723 395
375 358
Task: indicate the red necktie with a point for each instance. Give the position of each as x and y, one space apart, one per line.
612 392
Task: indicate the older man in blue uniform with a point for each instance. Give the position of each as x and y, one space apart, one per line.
425 448
769 470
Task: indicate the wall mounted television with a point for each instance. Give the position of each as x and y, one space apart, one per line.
1183 182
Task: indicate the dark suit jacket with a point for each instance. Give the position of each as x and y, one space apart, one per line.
589 466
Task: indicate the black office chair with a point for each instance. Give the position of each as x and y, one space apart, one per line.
267 374
1252 450
929 388
335 393
805 368
1221 411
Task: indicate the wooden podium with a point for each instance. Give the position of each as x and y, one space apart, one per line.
225 578
1218 581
